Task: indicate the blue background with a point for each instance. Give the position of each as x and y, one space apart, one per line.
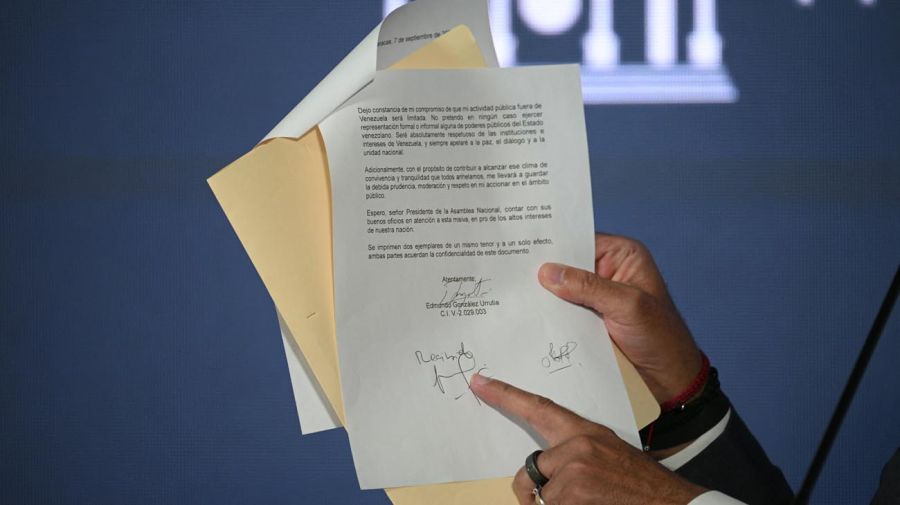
139 353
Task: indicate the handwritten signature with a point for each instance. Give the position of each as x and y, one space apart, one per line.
460 291
455 371
558 359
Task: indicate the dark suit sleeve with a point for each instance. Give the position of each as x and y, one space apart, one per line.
889 490
736 465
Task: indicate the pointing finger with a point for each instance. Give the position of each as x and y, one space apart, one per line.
551 421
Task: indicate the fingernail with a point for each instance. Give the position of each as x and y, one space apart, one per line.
480 380
553 273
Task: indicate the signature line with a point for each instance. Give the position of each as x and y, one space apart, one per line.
558 369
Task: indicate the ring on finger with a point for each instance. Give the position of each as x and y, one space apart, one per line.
531 468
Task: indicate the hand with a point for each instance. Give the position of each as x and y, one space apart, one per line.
628 291
586 462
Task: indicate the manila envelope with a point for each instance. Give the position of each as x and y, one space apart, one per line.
277 198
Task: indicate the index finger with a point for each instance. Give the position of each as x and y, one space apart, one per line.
556 424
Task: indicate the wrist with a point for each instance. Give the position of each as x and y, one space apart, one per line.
676 379
661 454
686 422
679 492
691 391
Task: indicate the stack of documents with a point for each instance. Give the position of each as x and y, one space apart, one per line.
398 216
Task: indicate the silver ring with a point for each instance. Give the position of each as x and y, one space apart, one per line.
538 499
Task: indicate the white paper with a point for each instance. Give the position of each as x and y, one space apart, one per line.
412 330
418 23
352 74
404 30
312 408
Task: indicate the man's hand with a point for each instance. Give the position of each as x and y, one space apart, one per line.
586 462
628 291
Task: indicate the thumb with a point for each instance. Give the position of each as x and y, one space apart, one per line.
613 299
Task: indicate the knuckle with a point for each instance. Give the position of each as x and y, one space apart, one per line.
578 467
605 433
583 444
585 283
504 387
633 245
639 247
544 403
508 398
504 393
